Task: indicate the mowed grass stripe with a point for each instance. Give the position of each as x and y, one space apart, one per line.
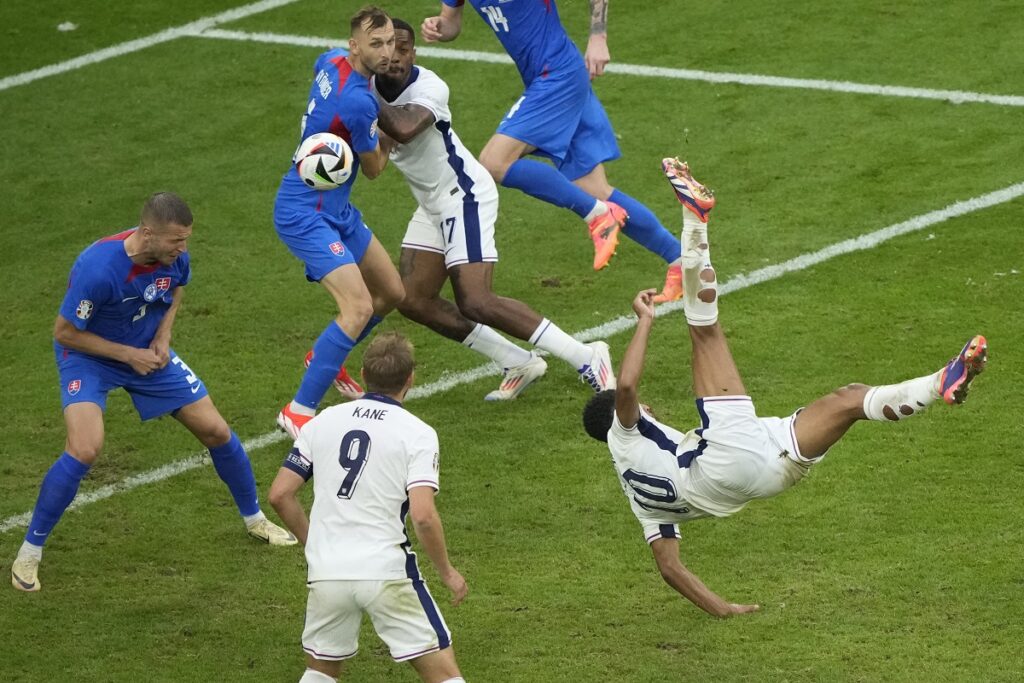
954 96
620 324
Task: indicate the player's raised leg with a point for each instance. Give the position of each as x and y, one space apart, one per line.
84 422
819 426
233 467
424 274
641 226
502 157
355 308
473 294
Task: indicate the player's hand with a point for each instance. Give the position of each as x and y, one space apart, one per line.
431 29
597 56
143 361
162 348
456 584
643 304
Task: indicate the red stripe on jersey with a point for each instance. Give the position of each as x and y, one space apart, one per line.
339 129
140 270
119 237
547 3
344 71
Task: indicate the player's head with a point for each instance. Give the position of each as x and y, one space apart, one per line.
164 228
404 55
371 41
597 414
388 365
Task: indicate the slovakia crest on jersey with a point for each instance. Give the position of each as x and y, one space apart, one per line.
159 286
84 309
73 386
338 248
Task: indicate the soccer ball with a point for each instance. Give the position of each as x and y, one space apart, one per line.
324 161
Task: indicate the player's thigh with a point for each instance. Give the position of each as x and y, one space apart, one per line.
166 390
407 619
205 422
333 615
467 228
84 422
319 244
346 286
381 276
593 143
501 151
423 273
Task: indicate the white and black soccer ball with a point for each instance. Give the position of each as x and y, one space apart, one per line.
324 161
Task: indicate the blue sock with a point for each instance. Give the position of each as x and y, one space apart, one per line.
544 182
57 491
329 352
372 323
235 470
644 228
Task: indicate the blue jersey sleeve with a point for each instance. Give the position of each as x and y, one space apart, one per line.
359 114
89 288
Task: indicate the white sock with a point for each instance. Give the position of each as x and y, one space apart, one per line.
250 520
491 344
700 285
599 209
549 337
29 550
457 679
312 676
896 401
300 409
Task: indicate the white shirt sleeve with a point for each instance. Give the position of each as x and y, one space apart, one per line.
424 464
431 92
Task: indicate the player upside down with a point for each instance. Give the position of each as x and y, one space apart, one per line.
735 456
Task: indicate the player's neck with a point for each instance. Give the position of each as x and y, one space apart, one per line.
133 247
359 68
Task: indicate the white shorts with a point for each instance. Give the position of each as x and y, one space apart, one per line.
741 456
403 613
463 232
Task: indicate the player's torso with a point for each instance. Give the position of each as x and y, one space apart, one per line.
437 166
532 34
360 471
338 97
134 298
651 472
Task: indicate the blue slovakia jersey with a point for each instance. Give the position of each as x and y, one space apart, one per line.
113 297
340 102
531 33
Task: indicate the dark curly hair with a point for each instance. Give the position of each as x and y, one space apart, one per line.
597 414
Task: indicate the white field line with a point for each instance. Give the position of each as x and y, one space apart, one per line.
737 283
142 43
955 96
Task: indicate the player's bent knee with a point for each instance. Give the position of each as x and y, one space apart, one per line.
852 395
478 308
85 453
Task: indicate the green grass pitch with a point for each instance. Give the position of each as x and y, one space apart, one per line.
899 559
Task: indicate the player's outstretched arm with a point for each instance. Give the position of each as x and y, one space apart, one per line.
142 361
666 555
427 525
161 344
444 27
283 497
405 122
374 162
597 56
627 405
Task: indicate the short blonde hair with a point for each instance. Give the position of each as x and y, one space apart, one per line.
388 363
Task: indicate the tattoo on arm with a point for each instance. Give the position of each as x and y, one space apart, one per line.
598 16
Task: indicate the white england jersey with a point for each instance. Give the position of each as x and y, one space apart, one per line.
714 470
363 456
437 166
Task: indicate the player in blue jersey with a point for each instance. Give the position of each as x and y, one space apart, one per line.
114 330
322 228
560 117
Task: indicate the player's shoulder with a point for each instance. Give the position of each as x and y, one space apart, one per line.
334 59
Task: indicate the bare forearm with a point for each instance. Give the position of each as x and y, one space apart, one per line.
293 515
632 364
167 324
92 344
430 532
598 17
694 590
404 123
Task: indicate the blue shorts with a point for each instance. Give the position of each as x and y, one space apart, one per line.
320 242
562 117
85 379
